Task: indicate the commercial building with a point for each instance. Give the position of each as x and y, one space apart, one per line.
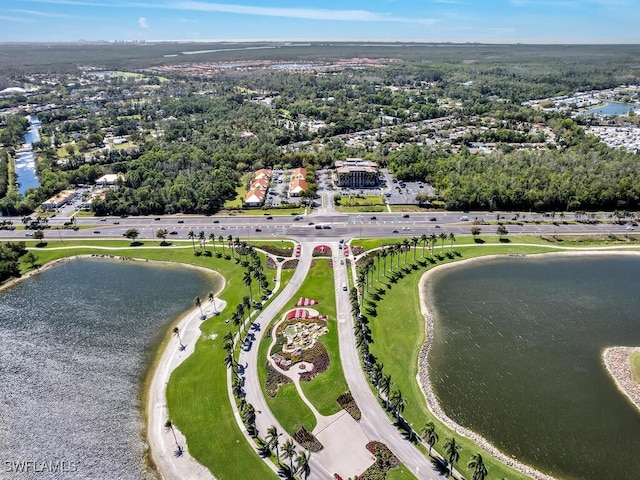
356 173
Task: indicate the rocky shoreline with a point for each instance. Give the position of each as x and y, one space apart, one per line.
617 361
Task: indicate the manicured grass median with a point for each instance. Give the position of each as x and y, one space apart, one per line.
324 389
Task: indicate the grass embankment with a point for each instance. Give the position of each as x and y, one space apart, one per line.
635 366
196 393
324 389
398 334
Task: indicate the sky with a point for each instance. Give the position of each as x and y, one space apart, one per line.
495 21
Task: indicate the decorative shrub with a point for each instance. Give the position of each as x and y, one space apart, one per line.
274 381
319 357
278 251
290 264
307 440
385 461
347 402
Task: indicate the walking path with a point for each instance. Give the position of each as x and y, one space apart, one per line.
171 456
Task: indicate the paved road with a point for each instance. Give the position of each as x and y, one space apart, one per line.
253 391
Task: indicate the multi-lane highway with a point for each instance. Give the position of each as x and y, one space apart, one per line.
330 225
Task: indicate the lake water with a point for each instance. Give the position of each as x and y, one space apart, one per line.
517 358
611 108
26 160
75 342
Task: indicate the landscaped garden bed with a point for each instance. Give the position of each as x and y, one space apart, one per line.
308 440
347 402
274 381
385 461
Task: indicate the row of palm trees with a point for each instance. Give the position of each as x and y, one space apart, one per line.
272 443
452 452
393 399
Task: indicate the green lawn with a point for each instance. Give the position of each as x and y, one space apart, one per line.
323 390
196 393
369 203
635 366
400 473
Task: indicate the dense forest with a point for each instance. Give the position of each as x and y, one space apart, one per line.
192 137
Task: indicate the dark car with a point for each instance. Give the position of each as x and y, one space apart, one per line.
373 218
269 217
406 215
157 218
173 232
395 231
96 231
433 219
216 221
180 221
258 229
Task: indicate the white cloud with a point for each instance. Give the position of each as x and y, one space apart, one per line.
37 13
301 13
142 21
15 19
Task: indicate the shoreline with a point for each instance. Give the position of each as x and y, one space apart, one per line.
617 362
433 404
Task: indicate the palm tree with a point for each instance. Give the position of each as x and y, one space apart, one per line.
229 338
405 247
212 238
414 243
423 239
198 303
176 332
302 462
452 452
289 451
443 237
168 425
220 239
385 388
398 402
201 238
433 238
247 279
430 435
233 250
384 254
212 299
479 469
273 440
192 237
452 238
229 360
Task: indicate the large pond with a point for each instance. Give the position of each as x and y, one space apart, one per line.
517 358
76 341
611 108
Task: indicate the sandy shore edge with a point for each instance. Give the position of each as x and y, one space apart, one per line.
617 361
433 403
